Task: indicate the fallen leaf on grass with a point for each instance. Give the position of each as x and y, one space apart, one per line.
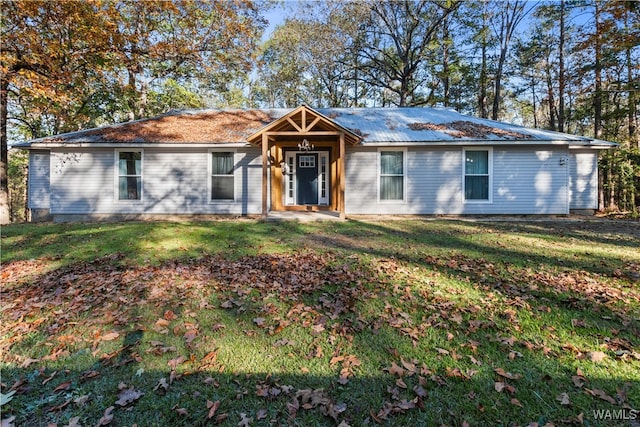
261 414
162 386
601 394
513 354
86 375
110 336
245 421
60 407
508 375
420 391
474 360
578 323
62 387
81 401
212 407
563 398
396 370
6 398
161 326
7 422
293 407
597 356
182 411
578 379
106 418
343 380
516 402
128 395
74 422
501 386
173 363
28 362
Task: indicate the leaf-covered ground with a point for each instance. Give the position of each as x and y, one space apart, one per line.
348 323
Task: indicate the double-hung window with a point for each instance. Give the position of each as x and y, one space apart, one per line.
392 175
477 175
222 175
129 175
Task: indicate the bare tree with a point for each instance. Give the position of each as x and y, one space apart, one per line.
509 16
399 39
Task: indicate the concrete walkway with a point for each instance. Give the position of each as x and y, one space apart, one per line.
303 216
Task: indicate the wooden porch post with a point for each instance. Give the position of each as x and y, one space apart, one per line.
265 166
341 174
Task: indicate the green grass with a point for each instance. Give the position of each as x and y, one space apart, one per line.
391 322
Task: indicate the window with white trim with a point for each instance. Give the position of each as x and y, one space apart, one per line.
129 175
306 161
477 174
222 175
392 175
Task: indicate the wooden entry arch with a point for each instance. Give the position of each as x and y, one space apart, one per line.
289 131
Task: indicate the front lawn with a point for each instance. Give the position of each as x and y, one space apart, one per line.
349 323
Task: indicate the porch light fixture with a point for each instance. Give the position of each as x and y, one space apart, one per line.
305 145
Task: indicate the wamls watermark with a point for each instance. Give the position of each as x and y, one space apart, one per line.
616 414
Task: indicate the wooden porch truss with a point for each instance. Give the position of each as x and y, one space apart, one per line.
287 132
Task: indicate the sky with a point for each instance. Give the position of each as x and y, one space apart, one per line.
277 15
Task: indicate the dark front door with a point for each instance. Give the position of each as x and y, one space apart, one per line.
307 179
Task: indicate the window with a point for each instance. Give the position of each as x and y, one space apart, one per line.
477 177
307 161
222 176
129 175
391 175
323 176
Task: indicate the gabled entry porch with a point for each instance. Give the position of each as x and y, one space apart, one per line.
303 162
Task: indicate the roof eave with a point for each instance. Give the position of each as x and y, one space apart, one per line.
48 145
463 142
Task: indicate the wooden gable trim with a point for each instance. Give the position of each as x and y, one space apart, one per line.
287 126
298 128
313 123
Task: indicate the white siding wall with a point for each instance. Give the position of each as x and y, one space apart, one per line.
525 180
39 184
173 182
528 180
583 179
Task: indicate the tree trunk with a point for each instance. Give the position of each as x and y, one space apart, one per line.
482 96
445 63
634 142
597 97
552 102
533 98
482 93
612 184
601 185
561 77
498 84
5 214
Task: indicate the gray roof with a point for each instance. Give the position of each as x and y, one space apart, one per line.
376 126
432 125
